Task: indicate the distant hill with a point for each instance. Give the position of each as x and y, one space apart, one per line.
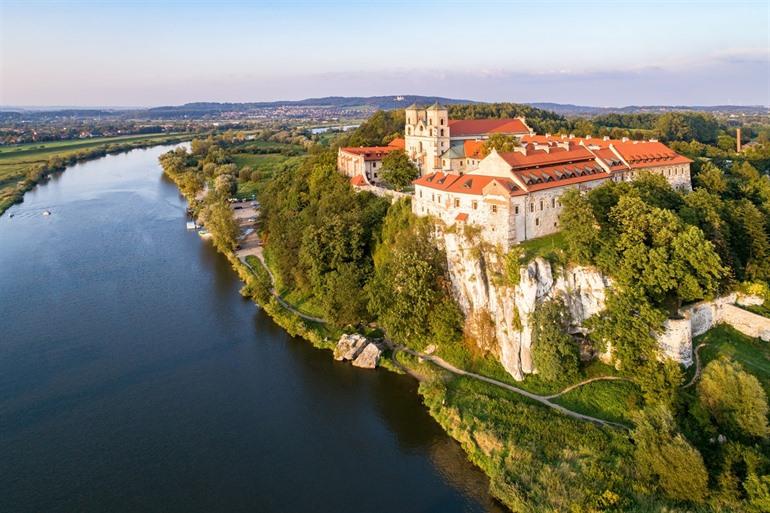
567 109
335 105
338 102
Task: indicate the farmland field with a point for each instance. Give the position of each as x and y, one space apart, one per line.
24 165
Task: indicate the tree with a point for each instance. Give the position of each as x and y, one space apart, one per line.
734 398
751 241
501 143
555 354
666 457
218 219
398 170
670 261
579 226
226 185
627 328
711 178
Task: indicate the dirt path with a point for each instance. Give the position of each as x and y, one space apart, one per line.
440 362
257 252
697 367
585 382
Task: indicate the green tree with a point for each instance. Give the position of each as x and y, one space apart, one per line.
670 261
555 354
711 178
579 226
750 239
501 143
218 219
226 185
734 398
664 456
398 170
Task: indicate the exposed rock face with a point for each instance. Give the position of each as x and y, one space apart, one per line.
362 352
369 357
480 288
478 285
349 347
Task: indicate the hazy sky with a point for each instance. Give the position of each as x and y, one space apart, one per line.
610 53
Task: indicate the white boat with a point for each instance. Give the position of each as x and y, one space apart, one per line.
46 212
191 225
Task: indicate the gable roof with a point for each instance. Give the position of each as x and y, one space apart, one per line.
370 152
466 184
471 127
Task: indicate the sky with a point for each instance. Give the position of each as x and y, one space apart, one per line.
602 53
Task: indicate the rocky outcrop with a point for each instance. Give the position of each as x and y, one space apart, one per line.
349 347
361 351
479 286
492 304
369 357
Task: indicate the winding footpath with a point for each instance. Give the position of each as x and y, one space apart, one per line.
440 362
697 366
545 400
258 253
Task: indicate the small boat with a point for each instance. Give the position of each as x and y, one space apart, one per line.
204 233
191 225
46 212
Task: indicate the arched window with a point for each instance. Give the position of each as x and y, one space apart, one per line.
442 132
441 121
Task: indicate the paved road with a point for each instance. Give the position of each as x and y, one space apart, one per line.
440 362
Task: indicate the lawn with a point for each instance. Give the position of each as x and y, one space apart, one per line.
610 400
542 246
752 353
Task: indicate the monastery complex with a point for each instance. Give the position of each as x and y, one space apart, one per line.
511 196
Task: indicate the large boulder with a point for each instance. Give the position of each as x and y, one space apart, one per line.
369 357
349 347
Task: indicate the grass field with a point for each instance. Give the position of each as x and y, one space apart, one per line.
22 166
752 353
542 246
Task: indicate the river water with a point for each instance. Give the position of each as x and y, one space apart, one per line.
134 377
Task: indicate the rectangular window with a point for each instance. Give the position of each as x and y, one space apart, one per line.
421 194
541 204
531 207
457 202
516 210
537 222
553 202
494 209
439 198
475 205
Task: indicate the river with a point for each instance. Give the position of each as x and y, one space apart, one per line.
134 377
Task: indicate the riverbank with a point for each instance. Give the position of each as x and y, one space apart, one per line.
22 167
484 418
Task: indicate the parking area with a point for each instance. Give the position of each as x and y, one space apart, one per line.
246 214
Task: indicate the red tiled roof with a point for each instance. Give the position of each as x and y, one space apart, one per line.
474 149
398 142
461 217
535 158
358 181
465 184
467 127
640 154
370 152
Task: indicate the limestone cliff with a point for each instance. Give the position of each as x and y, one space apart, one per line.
483 294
